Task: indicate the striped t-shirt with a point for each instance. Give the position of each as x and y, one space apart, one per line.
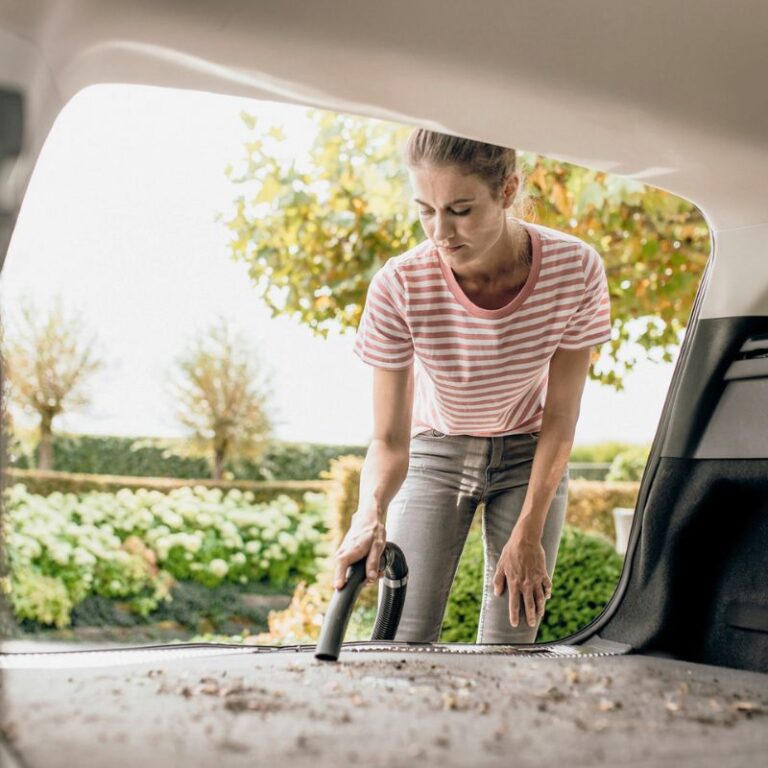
483 371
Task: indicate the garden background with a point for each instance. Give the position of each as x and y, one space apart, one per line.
223 529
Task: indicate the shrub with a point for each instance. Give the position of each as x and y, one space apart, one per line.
44 483
591 503
629 464
44 599
134 546
585 578
193 607
158 457
598 453
298 461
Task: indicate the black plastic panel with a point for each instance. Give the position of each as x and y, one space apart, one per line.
11 123
738 429
698 584
11 140
714 346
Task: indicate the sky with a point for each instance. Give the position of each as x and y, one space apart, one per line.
120 220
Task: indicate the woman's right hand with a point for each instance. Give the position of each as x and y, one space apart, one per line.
366 536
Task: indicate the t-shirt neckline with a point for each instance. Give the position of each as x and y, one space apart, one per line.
521 296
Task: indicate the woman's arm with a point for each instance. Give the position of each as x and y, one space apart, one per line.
522 563
386 462
567 376
384 470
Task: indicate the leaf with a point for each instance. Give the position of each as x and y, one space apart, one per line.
560 199
248 119
270 189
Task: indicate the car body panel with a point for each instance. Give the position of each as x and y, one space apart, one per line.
670 93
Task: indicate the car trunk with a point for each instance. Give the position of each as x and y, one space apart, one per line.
446 705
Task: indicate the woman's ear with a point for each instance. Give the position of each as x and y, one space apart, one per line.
510 189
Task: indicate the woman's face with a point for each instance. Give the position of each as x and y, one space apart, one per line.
461 218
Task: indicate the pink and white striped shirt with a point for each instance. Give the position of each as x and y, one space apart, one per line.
483 371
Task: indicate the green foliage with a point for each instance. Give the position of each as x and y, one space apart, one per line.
192 606
299 461
133 546
585 578
654 246
108 455
43 483
361 622
599 453
586 575
44 599
313 237
157 457
629 464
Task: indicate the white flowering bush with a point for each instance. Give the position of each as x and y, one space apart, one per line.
133 545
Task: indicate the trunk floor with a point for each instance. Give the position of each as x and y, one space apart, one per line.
243 706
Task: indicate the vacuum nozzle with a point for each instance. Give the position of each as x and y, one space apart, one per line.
395 579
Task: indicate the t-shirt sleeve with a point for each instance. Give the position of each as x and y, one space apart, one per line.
383 335
590 324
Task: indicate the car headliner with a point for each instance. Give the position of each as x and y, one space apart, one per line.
665 91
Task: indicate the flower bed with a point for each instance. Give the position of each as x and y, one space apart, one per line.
134 545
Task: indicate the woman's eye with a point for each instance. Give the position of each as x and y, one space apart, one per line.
423 212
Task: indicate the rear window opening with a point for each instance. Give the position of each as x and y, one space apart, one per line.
198 265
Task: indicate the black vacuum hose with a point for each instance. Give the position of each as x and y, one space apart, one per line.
394 582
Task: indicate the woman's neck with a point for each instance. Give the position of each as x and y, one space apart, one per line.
512 264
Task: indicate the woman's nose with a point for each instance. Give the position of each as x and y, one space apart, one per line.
443 229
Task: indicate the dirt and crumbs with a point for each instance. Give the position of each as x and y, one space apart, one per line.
386 709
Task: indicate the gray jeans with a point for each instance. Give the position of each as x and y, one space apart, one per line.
429 518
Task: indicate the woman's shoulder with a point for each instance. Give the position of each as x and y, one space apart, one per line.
398 271
411 262
421 253
550 236
560 243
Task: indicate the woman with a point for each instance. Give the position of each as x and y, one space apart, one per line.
480 338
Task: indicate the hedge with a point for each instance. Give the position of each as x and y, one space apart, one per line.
45 483
591 503
158 457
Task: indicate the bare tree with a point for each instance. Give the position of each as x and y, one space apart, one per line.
48 363
221 397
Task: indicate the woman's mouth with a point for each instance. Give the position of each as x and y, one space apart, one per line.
451 249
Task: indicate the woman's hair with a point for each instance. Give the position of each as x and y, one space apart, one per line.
491 163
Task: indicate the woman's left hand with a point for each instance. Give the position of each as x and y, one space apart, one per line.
522 566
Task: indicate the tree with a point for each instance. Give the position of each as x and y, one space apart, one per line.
48 364
654 246
219 398
314 235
